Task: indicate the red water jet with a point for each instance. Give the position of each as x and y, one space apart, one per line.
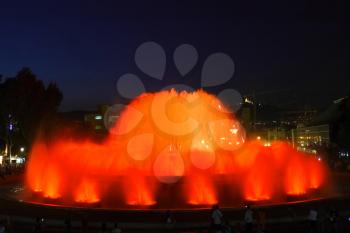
184 141
200 190
87 192
260 179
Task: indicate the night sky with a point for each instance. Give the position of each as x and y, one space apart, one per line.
291 53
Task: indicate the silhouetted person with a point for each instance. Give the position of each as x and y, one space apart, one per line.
227 228
68 224
216 217
170 221
116 228
313 216
238 228
2 174
7 223
261 222
291 214
2 226
248 220
84 224
38 225
103 228
333 219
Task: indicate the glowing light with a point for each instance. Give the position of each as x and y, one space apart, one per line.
140 146
86 192
202 154
154 146
138 192
169 166
316 173
295 180
201 191
223 129
52 185
260 180
246 100
234 131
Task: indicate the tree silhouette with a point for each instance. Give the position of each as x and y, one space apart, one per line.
25 101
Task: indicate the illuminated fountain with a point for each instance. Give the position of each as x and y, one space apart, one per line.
170 150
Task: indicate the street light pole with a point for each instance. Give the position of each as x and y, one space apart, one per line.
10 129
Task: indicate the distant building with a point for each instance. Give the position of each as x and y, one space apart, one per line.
305 137
94 121
270 123
87 120
337 117
246 114
328 129
97 121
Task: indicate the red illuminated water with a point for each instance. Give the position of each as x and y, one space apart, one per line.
168 150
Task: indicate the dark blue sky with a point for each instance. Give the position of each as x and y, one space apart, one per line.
301 47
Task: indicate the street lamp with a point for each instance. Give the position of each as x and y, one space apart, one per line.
10 129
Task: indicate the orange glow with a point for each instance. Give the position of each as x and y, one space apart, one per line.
169 166
138 192
86 192
182 142
35 179
260 180
296 180
201 191
52 184
201 153
316 172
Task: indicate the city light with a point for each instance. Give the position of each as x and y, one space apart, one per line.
343 154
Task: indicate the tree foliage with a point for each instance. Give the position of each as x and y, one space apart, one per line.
29 103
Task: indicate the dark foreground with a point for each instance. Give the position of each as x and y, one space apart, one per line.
21 217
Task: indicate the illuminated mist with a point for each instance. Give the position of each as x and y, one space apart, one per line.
170 150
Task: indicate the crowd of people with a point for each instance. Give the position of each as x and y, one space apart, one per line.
222 225
253 220
7 169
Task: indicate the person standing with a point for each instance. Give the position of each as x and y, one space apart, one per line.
103 227
333 219
248 220
261 221
116 228
216 217
38 225
2 226
84 224
170 221
313 216
227 227
68 224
